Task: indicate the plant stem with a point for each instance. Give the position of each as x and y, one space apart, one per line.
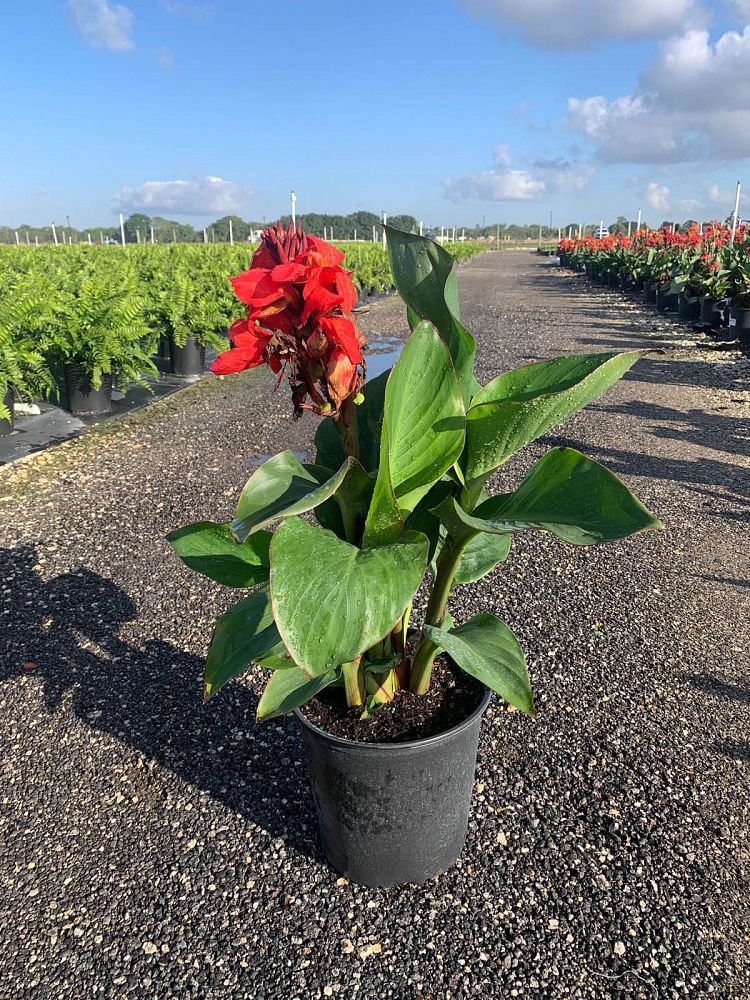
346 420
354 683
421 670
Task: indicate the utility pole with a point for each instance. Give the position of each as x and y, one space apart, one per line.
736 210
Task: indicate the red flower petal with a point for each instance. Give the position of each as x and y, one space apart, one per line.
238 359
290 272
329 254
341 376
344 334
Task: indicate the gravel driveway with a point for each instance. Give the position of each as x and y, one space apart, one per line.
153 847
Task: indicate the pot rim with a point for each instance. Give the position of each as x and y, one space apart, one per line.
361 745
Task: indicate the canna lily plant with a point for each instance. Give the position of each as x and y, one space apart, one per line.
398 493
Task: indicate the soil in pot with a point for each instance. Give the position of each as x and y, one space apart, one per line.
188 361
452 697
6 426
83 399
396 812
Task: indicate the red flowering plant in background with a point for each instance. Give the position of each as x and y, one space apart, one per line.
299 301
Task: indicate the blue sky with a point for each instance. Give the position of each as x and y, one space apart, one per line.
452 110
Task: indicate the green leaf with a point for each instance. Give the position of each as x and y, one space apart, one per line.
423 417
330 452
331 600
287 690
283 487
481 556
384 521
423 273
212 550
487 649
243 635
523 404
568 494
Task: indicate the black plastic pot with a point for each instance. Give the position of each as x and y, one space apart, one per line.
666 301
6 426
712 312
739 323
649 292
393 813
188 361
83 399
162 348
688 307
626 283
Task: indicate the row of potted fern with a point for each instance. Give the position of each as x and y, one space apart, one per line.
702 274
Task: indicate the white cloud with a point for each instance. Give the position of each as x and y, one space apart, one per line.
692 103
578 24
506 183
102 24
657 196
202 196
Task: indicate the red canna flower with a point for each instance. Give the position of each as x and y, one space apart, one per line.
299 301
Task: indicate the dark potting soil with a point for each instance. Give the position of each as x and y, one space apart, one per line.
452 697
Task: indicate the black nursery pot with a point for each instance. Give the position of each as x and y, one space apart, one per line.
666 301
688 308
83 399
649 292
162 348
739 323
391 813
712 312
188 361
6 426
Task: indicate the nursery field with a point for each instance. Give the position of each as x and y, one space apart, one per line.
158 846
102 310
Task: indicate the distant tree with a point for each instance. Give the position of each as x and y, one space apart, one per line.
137 223
240 229
689 224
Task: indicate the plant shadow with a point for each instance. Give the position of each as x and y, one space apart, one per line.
65 633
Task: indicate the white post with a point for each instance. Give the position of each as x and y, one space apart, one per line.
174 235
540 236
89 236
638 221
18 242
213 235
294 210
420 227
629 225
101 236
152 236
355 235
122 229
374 235
463 235
28 241
54 234
736 210
700 231
385 219
138 236
36 240
601 227
331 233
497 237
454 234
559 234
231 233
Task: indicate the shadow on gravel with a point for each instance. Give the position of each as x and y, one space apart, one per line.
64 633
728 434
709 684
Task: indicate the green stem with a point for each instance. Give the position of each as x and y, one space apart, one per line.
354 683
421 670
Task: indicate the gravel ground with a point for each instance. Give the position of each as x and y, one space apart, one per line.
154 847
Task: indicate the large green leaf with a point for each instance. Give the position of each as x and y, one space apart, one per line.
423 418
330 452
331 600
424 275
481 556
523 404
566 493
283 487
243 635
487 649
288 689
384 520
212 550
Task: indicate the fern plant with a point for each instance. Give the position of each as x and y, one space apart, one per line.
192 310
23 366
97 322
